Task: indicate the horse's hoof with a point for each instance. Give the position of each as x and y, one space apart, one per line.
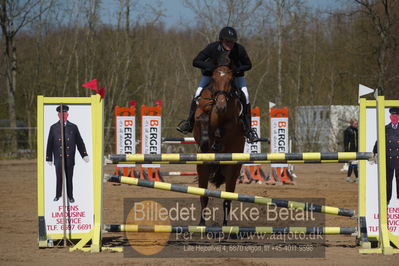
204 146
217 147
219 235
233 236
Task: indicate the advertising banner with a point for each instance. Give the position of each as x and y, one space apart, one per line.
78 149
279 137
126 136
151 140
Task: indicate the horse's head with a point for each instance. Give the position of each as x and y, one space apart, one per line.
222 77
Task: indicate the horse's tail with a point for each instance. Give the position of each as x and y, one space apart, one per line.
217 178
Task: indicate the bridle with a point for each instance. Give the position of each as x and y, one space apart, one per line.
222 73
215 94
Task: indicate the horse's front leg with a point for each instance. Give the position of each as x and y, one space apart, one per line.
203 176
226 211
231 172
217 145
204 202
204 138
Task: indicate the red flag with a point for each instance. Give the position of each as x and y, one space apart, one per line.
92 84
101 92
132 103
159 102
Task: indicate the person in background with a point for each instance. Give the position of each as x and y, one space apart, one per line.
351 145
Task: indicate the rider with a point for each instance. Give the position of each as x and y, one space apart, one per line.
204 60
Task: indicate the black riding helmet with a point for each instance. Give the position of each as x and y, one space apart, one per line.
228 34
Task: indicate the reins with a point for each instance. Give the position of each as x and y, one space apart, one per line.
228 94
215 94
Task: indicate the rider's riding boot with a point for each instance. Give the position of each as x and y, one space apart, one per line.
186 126
249 132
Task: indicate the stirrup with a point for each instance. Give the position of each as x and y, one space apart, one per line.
184 127
252 136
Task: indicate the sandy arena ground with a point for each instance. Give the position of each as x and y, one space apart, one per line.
19 225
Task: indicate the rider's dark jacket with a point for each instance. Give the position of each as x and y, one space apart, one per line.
205 60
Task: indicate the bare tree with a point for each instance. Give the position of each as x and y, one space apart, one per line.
280 9
383 15
280 6
213 15
14 15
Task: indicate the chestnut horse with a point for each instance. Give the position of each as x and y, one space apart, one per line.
218 129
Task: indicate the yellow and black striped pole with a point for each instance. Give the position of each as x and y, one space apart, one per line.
235 162
228 229
272 157
230 196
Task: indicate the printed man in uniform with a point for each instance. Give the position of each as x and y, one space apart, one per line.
392 151
72 139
